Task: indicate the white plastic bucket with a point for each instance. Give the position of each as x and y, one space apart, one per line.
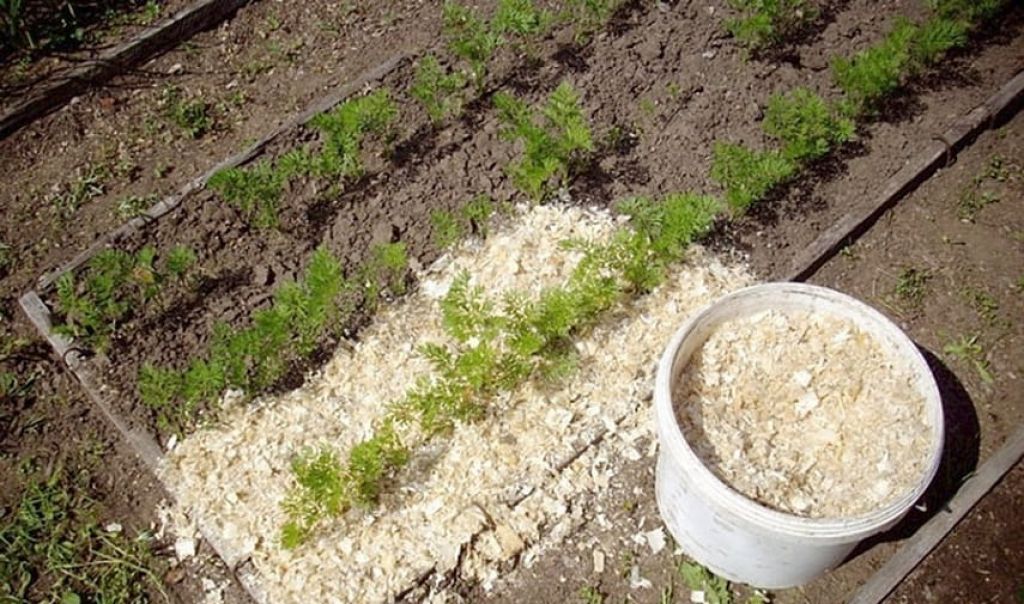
736 537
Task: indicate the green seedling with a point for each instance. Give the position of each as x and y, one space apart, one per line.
935 38
552 147
873 74
972 201
478 213
522 20
698 578
134 205
179 260
765 23
191 115
748 176
114 284
805 125
344 129
88 185
55 550
255 191
469 38
256 357
968 350
589 16
911 286
439 91
974 12
446 228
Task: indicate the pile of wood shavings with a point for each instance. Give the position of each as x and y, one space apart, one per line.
462 500
805 413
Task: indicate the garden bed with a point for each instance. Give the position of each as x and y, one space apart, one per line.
660 146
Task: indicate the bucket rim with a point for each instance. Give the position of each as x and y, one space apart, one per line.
674 442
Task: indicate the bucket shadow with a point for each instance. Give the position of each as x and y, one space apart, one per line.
959 456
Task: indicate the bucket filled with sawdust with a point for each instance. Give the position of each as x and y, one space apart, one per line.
794 422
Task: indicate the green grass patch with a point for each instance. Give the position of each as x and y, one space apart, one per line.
554 142
54 549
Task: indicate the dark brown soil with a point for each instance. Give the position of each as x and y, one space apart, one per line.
100 25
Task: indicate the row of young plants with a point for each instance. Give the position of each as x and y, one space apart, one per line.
807 128
443 92
496 345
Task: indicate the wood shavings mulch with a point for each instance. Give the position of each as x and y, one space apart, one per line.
805 413
485 494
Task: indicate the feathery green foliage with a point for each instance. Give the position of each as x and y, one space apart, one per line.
344 128
191 115
748 176
805 125
113 285
551 148
936 37
589 16
765 23
256 190
256 357
973 12
873 74
446 228
521 19
179 260
439 91
469 38
494 346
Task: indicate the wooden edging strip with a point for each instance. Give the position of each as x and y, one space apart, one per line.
940 151
917 547
152 41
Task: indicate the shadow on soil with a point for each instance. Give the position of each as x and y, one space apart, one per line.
959 456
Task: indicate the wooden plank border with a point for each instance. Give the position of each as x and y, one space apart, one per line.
151 42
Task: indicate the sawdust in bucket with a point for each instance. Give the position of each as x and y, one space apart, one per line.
805 413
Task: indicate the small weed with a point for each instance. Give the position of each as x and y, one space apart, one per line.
191 115
698 578
469 38
648 108
552 148
807 128
87 186
911 286
591 595
748 176
968 350
765 23
134 205
984 304
439 91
